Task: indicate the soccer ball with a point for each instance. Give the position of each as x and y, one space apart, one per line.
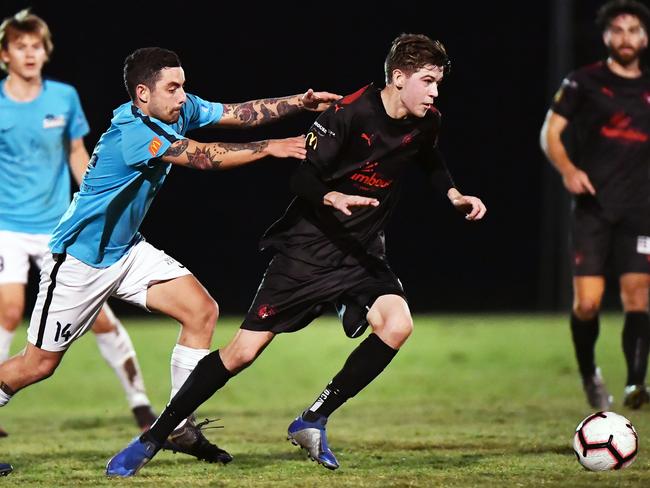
604 441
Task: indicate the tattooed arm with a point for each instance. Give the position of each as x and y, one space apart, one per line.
258 112
226 155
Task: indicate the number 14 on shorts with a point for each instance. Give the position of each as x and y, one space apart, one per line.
62 332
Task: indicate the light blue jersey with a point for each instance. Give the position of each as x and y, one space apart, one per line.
34 168
123 177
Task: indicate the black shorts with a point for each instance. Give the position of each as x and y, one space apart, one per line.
610 240
293 293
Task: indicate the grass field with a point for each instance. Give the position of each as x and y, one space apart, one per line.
471 400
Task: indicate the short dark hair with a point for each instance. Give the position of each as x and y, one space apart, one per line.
143 66
24 22
410 52
614 8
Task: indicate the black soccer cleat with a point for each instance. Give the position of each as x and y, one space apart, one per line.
189 439
3 433
5 469
596 391
634 396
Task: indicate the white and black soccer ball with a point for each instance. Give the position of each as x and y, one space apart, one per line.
604 441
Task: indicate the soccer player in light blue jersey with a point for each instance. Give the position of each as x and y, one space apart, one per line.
42 126
97 250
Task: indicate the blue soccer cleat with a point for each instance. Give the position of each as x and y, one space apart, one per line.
311 437
5 469
129 460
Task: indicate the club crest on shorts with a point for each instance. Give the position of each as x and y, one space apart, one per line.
265 311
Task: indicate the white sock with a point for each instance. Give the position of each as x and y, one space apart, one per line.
6 336
4 398
117 349
184 360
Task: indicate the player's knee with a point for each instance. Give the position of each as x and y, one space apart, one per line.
11 316
404 329
103 325
396 331
586 309
245 358
238 358
635 300
204 316
210 312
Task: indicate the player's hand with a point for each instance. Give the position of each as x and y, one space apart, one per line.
577 182
291 147
472 207
344 203
318 101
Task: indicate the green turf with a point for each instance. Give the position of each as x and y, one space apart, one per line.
471 400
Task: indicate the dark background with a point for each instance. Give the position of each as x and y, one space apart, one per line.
507 59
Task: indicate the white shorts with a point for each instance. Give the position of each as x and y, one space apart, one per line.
71 293
16 251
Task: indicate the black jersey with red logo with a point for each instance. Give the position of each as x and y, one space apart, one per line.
611 119
355 148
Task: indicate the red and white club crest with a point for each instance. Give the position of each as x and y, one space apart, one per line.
265 311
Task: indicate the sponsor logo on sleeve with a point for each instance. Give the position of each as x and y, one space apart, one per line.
312 140
154 146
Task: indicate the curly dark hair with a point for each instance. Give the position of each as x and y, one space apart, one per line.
614 8
410 52
143 66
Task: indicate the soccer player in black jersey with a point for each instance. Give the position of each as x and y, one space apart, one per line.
330 244
608 105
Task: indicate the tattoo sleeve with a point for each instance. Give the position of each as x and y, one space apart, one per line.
203 159
177 148
206 158
259 112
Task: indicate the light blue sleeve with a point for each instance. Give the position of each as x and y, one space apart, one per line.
77 123
199 113
144 140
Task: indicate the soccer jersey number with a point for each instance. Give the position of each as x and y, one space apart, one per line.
62 332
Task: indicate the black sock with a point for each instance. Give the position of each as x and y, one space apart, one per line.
585 333
362 366
636 344
209 375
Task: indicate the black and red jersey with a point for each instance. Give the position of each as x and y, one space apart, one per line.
611 119
354 147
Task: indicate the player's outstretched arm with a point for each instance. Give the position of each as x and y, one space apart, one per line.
226 155
259 112
472 207
306 184
345 203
